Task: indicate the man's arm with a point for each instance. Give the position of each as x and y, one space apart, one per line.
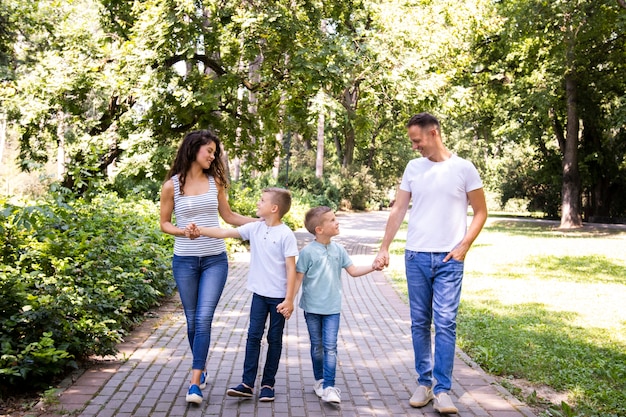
396 217
479 206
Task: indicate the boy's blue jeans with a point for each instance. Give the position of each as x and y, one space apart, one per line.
323 331
200 282
259 310
434 295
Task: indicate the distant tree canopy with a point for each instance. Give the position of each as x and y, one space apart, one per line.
531 91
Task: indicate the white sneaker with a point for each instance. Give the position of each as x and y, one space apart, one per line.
443 403
319 388
331 395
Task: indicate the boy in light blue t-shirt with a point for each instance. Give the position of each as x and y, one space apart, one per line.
318 270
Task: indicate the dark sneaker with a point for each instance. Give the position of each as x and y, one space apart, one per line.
443 403
203 379
239 391
267 394
194 395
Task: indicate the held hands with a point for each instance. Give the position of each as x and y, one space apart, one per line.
285 308
381 261
192 231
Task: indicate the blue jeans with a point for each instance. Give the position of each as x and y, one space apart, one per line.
434 295
200 282
323 330
259 310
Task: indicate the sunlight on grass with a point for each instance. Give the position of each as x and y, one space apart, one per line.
547 306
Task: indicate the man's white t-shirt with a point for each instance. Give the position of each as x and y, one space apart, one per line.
438 217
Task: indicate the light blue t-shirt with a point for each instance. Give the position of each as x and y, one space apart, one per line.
321 286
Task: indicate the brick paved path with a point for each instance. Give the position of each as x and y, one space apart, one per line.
375 359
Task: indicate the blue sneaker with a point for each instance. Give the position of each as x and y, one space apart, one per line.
203 379
194 395
267 394
239 391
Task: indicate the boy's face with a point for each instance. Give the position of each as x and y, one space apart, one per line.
329 225
264 206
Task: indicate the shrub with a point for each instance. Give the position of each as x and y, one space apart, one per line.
74 277
359 190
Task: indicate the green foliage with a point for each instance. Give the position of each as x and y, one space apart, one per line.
546 349
74 277
359 190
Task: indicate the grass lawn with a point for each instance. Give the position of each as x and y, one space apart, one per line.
545 311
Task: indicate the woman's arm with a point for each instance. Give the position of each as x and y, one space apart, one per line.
226 212
166 210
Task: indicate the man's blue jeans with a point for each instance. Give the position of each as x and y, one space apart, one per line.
200 282
259 310
434 295
323 331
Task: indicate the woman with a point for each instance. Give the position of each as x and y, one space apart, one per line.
195 192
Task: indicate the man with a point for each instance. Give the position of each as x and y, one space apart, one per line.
440 184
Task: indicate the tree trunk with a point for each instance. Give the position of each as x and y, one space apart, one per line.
570 199
348 151
319 160
349 101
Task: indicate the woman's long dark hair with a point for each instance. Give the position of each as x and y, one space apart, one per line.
187 152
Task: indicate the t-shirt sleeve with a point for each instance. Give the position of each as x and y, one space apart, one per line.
245 230
304 261
473 181
404 184
345 258
290 245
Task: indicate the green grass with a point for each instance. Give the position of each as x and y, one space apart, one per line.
545 310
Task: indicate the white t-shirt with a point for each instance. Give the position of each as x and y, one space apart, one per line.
438 217
269 246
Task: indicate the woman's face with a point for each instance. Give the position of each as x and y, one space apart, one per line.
206 155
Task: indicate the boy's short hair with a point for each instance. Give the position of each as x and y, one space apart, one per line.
280 197
313 217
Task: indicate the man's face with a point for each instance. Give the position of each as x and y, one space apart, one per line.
422 139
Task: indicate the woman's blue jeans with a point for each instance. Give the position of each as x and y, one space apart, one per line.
323 331
434 295
260 308
200 282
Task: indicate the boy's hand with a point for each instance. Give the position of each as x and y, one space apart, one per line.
285 308
378 264
192 231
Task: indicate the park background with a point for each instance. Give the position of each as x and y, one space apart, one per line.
95 97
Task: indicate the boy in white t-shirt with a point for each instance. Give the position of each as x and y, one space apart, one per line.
319 271
272 276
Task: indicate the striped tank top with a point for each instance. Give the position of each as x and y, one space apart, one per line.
201 210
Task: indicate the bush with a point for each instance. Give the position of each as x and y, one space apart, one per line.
74 277
359 190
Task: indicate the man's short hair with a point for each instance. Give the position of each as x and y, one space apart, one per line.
424 120
313 217
281 197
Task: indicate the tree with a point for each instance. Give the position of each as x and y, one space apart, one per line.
546 63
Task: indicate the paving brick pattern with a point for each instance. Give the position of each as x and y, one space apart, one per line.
375 371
